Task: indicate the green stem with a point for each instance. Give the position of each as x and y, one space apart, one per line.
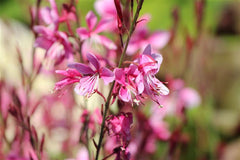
132 27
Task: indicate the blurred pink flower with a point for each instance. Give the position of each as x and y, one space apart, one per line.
181 97
68 13
156 121
49 15
81 155
189 97
56 44
142 37
119 126
107 10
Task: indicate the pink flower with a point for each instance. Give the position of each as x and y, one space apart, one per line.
125 89
142 37
93 29
149 62
50 16
68 13
181 97
156 121
138 80
91 74
107 10
72 76
148 65
154 88
119 126
189 97
55 43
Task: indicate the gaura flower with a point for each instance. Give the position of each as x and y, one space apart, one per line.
142 37
72 76
148 65
51 17
138 81
68 13
93 29
119 126
107 10
55 43
181 98
90 75
125 89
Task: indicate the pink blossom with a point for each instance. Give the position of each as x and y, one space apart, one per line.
107 10
55 43
49 15
138 80
180 98
72 76
91 74
125 89
141 38
189 97
148 65
154 88
68 13
93 29
119 126
148 62
156 121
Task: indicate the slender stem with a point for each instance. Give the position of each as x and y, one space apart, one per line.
103 121
132 27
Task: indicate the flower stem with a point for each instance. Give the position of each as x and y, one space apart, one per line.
132 28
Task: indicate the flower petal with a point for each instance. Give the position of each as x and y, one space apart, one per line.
119 75
83 33
43 42
147 50
93 60
43 30
103 25
140 84
124 94
91 19
163 89
87 86
45 15
106 42
107 75
159 39
82 68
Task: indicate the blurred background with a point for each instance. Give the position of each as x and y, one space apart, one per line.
205 52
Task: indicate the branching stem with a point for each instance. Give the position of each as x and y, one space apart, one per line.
132 28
